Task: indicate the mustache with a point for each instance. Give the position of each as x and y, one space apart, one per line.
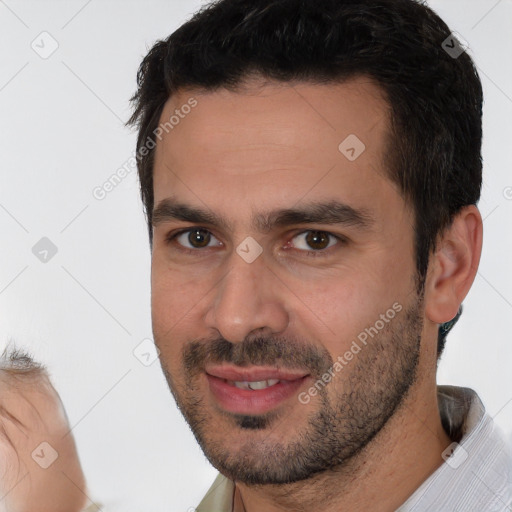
257 351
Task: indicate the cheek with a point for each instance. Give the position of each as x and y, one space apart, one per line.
165 314
170 292
339 310
166 308
176 299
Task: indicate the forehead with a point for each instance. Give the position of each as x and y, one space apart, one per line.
275 142
268 113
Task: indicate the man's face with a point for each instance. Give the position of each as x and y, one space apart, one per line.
321 317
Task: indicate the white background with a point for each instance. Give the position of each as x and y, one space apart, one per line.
84 311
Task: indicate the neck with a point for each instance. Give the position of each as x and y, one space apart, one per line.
401 457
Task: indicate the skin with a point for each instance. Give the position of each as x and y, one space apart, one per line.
31 413
276 146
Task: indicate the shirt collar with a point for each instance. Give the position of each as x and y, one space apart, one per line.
477 472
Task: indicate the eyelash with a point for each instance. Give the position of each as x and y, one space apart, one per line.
170 239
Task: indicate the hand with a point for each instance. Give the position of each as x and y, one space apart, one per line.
32 413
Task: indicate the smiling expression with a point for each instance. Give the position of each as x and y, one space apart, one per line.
273 249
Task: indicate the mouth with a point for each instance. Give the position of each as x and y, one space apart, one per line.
254 385
255 390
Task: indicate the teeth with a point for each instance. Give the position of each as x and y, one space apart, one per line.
260 384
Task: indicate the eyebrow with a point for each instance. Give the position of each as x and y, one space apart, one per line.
325 212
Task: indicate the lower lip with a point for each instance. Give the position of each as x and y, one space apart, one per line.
247 401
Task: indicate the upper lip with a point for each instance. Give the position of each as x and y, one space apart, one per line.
253 374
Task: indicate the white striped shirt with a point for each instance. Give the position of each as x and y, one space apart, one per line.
478 476
475 477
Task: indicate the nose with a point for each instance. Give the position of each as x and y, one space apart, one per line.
248 298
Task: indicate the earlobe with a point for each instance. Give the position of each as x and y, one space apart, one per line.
454 265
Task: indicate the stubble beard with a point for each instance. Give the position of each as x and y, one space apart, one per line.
350 412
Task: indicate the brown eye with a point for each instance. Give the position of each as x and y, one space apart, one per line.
194 238
199 238
314 240
317 239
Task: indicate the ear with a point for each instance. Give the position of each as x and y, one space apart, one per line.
453 266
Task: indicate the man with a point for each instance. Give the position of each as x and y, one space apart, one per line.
310 173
